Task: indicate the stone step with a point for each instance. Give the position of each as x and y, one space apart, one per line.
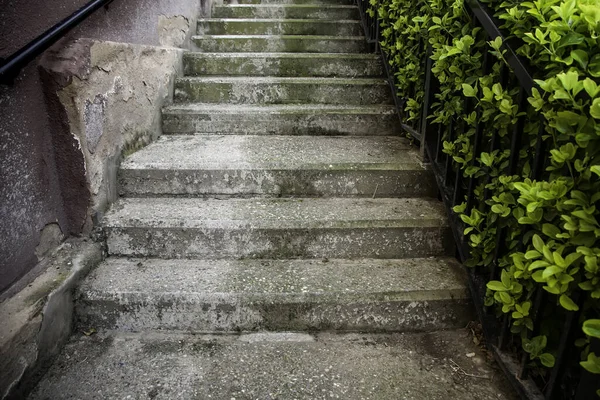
239 26
363 295
292 2
282 90
284 43
243 165
298 11
277 228
352 366
283 64
280 119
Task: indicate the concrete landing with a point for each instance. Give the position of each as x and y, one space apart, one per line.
433 366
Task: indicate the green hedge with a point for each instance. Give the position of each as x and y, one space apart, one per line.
551 224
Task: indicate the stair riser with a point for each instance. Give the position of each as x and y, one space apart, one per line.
250 242
249 92
198 65
282 124
286 12
312 2
245 27
206 313
275 44
305 183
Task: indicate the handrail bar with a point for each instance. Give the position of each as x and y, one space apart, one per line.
10 67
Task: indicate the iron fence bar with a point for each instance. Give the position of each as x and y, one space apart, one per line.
536 312
566 341
430 147
490 25
477 140
449 157
589 383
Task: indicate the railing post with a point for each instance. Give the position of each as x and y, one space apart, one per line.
426 131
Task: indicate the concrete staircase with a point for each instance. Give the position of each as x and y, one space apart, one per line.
281 198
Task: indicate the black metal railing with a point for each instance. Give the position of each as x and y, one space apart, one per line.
12 66
454 188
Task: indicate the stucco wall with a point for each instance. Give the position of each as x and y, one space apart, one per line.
44 190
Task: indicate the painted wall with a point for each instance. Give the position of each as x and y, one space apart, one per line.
45 194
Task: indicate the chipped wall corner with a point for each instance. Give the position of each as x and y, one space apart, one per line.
39 319
112 103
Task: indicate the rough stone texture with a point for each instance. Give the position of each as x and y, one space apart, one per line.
432 366
278 90
111 110
286 43
277 228
36 321
312 2
277 166
303 11
255 26
42 175
283 64
175 31
246 295
281 119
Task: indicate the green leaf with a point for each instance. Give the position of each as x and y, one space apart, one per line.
550 230
547 360
592 364
551 270
496 286
532 254
567 303
591 327
469 91
581 57
538 243
595 108
538 264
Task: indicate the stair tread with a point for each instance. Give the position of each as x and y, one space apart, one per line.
280 280
283 80
275 37
274 365
279 108
283 20
302 6
276 152
368 56
277 214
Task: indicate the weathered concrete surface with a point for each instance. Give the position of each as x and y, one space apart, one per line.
341 166
41 166
287 26
312 2
278 90
276 295
360 65
36 321
281 119
303 11
277 228
432 366
113 105
286 43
